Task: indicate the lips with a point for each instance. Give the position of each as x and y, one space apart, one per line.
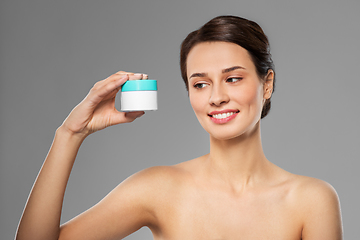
223 116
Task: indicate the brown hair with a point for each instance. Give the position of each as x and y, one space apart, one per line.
233 29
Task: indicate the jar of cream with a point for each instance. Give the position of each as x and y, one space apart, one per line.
138 95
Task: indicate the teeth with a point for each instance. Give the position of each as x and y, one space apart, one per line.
222 115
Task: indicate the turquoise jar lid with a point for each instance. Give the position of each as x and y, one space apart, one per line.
139 85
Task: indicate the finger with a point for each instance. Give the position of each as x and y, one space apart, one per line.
131 116
111 78
116 76
133 76
113 86
125 117
136 76
116 80
106 89
123 73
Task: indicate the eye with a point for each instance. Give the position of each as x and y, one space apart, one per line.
233 79
200 85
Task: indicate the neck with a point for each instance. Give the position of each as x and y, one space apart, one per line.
239 162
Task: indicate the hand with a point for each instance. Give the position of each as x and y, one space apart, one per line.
97 111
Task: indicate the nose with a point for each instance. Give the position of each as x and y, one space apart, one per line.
219 95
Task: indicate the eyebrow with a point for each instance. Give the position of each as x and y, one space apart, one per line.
230 69
226 70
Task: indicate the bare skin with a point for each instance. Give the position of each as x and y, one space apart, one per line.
233 192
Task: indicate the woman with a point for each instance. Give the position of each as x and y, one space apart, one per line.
233 192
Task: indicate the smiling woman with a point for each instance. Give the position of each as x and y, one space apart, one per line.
233 192
242 32
231 91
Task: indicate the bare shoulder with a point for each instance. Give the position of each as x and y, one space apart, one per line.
319 208
158 175
134 203
155 183
161 183
313 190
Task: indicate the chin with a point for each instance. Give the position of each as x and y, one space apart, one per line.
226 134
231 132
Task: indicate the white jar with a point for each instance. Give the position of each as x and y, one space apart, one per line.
138 95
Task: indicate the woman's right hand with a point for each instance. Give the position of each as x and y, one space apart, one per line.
97 111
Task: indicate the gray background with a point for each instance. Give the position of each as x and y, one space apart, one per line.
52 52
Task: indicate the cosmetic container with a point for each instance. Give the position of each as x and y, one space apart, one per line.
138 95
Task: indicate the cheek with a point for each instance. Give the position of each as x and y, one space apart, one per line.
255 103
199 103
249 95
196 102
197 97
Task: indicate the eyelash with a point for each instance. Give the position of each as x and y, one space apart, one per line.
200 85
197 86
237 79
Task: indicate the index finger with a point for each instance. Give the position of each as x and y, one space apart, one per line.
107 87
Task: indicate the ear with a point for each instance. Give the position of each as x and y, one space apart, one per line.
269 84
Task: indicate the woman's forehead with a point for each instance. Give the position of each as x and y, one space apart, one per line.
216 56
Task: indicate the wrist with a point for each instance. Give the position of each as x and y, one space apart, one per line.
64 132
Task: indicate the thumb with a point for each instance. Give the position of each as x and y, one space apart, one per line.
131 116
124 117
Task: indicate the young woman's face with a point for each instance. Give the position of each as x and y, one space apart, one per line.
224 89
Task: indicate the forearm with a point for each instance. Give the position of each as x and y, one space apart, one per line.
41 217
